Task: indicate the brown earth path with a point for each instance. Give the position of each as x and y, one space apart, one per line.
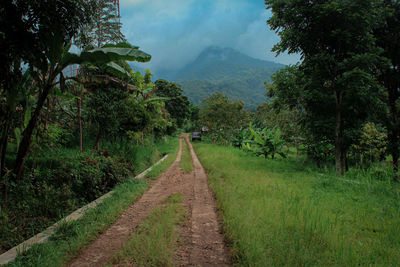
202 242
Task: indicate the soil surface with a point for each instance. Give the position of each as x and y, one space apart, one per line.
202 242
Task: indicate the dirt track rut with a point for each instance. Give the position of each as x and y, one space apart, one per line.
202 241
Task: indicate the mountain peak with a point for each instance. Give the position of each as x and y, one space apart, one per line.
218 53
226 70
221 59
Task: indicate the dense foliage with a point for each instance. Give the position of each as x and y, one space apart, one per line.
337 87
222 117
177 104
56 105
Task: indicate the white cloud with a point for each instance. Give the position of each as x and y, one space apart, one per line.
173 9
257 41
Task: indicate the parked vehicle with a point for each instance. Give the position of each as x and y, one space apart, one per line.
196 136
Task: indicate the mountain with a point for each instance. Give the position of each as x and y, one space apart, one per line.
217 64
225 70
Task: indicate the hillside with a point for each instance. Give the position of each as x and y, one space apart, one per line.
225 70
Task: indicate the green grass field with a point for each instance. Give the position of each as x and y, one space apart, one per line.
282 213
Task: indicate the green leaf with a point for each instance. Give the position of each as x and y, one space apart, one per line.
154 99
17 133
57 92
122 45
283 155
106 54
256 137
27 116
116 70
148 90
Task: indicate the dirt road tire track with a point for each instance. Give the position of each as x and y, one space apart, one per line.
201 243
208 242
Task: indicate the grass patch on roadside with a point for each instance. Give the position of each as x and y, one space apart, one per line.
186 163
154 242
160 168
280 213
71 237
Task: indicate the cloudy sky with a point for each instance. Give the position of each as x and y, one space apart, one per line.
174 32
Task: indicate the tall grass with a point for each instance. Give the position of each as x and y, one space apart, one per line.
142 155
281 213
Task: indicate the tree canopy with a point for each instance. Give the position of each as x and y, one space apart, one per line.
222 116
178 104
339 63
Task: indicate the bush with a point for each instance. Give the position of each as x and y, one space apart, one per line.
54 186
322 152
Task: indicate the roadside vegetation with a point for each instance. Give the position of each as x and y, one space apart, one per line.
73 236
65 180
154 242
73 124
281 213
311 178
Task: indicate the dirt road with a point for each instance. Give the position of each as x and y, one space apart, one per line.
203 243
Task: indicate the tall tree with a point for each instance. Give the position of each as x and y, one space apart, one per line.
34 33
221 114
104 107
178 104
105 27
338 58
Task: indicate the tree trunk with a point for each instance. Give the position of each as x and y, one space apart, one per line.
46 117
79 103
3 145
393 120
3 150
345 164
339 161
27 134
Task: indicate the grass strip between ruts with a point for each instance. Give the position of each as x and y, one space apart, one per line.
153 243
186 159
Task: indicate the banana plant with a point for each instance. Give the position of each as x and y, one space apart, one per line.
267 142
241 138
